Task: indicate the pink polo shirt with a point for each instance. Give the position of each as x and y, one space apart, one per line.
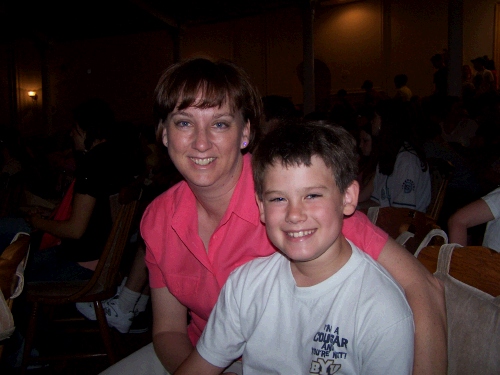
177 259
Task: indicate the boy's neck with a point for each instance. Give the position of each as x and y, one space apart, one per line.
315 271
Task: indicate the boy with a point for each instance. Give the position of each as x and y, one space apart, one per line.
319 306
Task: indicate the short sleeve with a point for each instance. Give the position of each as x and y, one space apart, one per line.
222 340
365 235
493 201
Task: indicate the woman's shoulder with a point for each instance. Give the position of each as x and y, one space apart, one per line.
162 204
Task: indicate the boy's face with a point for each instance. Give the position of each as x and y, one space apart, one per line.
303 209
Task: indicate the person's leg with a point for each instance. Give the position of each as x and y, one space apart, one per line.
135 294
46 265
130 300
9 227
142 362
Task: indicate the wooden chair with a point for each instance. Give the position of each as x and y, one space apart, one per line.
477 266
471 279
441 172
410 228
100 287
12 263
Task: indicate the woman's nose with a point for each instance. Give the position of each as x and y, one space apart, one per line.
202 139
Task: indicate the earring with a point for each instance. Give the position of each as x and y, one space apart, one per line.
244 144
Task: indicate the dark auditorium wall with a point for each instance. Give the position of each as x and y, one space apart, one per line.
349 42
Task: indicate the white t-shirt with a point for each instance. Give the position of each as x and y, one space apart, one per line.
492 233
355 322
408 186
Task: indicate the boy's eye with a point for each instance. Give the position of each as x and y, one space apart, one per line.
277 199
312 196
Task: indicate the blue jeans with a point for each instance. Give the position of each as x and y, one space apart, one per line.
9 227
47 265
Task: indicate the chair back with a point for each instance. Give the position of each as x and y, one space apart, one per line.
105 275
471 279
10 259
441 172
410 228
476 266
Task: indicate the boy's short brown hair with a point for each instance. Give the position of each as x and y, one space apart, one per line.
294 144
218 82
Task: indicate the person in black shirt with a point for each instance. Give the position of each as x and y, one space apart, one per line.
102 169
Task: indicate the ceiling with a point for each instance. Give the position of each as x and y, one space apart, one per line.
59 21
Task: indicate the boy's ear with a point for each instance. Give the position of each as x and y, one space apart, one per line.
351 198
261 208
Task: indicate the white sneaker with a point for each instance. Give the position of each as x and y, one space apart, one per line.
87 308
114 315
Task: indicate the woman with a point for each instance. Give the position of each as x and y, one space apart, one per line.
402 177
367 163
81 232
201 229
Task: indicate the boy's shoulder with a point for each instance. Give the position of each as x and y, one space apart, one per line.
378 287
375 269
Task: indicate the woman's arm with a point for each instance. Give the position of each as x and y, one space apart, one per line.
425 295
170 337
75 226
475 213
196 364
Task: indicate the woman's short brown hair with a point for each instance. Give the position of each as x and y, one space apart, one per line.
218 82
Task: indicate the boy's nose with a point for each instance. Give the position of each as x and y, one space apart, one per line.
295 213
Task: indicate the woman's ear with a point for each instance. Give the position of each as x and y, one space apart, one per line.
164 138
245 135
351 198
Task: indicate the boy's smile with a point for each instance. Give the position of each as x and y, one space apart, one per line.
303 210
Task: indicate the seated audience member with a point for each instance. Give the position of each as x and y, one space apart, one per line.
403 92
484 210
402 178
367 164
463 186
440 76
76 239
371 96
468 89
305 183
457 128
124 310
483 80
276 109
343 112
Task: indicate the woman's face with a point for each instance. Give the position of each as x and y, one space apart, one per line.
78 136
376 124
205 145
365 143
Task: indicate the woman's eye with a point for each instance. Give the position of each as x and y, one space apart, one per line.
182 123
220 125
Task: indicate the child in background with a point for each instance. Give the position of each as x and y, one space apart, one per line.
320 305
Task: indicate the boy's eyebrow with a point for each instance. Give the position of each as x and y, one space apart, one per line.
305 189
